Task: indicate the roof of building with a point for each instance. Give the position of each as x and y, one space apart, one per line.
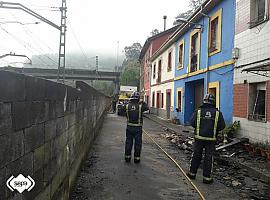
150 39
205 7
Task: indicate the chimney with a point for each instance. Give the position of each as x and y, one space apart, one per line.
164 17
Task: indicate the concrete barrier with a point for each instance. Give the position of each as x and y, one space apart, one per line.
46 130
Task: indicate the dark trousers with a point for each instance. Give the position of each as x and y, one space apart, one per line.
114 106
133 134
209 148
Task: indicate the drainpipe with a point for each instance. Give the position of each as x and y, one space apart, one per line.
207 51
207 58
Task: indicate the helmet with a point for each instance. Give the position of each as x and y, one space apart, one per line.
135 95
209 99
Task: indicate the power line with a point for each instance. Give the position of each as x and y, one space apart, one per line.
40 6
73 32
42 9
20 42
28 32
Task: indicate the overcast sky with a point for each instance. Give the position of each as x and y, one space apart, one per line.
93 25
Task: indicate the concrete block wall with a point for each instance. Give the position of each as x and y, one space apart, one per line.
46 130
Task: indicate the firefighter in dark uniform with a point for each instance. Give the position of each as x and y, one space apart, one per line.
114 100
134 112
207 121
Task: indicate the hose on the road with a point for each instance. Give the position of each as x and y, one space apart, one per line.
178 166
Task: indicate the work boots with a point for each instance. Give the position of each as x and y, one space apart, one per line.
207 180
127 158
191 175
137 159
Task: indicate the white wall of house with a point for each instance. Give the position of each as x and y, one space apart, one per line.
255 131
163 88
254 45
165 75
167 80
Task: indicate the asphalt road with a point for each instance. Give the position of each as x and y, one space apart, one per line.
105 175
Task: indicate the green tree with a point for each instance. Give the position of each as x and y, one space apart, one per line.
154 32
193 5
106 87
131 74
131 67
133 52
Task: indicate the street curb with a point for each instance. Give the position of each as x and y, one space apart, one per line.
259 175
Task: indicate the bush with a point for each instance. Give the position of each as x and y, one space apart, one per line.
231 129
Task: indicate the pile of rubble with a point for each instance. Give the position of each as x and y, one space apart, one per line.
226 166
183 143
231 174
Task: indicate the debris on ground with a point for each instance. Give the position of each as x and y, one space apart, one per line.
226 166
183 143
233 142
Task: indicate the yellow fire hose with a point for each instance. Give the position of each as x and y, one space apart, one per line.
178 166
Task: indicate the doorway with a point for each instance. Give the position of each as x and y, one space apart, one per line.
168 103
213 88
194 92
199 92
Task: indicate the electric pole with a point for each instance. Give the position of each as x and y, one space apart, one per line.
117 56
61 28
96 63
62 44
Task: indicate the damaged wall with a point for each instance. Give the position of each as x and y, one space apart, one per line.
46 129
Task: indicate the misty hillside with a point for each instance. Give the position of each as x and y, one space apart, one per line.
76 60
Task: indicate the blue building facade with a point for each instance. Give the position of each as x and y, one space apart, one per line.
204 61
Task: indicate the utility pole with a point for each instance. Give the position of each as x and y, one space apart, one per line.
96 63
117 56
62 45
61 28
96 68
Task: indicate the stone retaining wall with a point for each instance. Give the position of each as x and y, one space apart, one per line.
46 130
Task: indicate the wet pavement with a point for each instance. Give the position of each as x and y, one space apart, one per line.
105 175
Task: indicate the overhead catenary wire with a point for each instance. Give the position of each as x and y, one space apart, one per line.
43 7
36 47
40 6
175 162
30 35
75 37
78 42
25 45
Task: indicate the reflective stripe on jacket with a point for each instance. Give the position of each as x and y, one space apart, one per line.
208 120
134 114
